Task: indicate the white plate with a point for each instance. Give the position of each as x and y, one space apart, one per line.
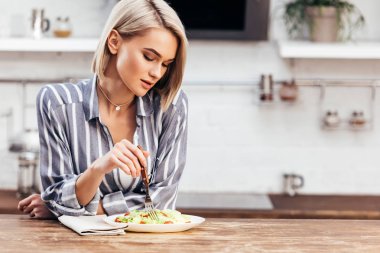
157 228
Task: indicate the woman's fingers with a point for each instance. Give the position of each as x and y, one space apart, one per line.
129 158
128 155
115 154
36 203
29 208
146 153
35 207
125 160
43 213
25 202
137 152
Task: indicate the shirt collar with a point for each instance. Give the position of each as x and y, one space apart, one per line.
144 105
90 99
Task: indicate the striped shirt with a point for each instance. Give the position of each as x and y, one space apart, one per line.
72 136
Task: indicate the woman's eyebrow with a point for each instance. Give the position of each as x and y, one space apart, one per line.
156 53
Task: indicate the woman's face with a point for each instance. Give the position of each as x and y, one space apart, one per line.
142 60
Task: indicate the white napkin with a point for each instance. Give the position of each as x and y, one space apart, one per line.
91 225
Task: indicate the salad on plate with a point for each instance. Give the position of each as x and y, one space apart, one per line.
166 216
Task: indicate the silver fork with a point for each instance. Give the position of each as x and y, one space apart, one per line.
149 207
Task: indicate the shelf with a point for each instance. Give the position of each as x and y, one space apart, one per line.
48 45
312 50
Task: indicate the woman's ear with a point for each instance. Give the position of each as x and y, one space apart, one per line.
114 41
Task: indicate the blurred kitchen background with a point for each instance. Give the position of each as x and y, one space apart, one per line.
261 110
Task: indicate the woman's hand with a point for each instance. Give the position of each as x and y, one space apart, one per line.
123 155
35 207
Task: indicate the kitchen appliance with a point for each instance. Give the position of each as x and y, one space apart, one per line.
40 24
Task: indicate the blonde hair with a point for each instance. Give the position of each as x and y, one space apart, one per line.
133 17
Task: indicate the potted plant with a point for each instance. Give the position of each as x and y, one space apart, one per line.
326 20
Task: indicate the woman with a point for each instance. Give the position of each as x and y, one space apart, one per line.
89 131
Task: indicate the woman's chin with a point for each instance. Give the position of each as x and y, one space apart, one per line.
141 93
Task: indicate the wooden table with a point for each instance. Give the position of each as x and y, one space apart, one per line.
22 234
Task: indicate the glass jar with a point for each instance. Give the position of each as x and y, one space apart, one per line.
62 27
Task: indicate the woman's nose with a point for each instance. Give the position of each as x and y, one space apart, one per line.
155 71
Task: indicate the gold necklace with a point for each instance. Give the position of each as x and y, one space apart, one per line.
117 107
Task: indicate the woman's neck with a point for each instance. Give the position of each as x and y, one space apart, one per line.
114 93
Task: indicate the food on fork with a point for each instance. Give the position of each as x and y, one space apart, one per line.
166 216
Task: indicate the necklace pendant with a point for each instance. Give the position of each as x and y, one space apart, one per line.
117 108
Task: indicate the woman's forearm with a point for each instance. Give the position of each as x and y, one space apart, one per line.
87 185
121 156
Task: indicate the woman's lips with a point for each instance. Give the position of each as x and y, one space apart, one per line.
146 84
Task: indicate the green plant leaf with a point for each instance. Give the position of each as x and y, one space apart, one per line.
349 16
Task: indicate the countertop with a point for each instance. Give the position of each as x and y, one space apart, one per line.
23 234
300 207
282 206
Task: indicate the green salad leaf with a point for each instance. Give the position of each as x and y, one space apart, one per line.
166 216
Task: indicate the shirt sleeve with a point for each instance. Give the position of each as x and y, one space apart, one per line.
167 168
58 177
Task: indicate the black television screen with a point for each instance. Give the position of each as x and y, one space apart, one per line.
223 19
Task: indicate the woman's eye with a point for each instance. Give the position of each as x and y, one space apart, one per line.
147 58
165 65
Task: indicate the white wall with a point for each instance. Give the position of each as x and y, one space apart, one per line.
235 144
